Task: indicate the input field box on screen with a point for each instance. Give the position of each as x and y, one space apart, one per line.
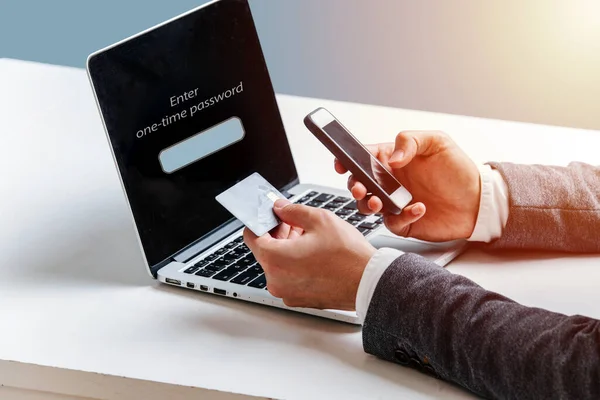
201 145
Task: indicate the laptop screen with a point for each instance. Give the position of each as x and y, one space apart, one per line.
190 111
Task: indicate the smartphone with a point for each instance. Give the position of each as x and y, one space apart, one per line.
358 160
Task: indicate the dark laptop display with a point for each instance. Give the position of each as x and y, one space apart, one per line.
190 111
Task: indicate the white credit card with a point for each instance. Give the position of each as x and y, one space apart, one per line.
251 201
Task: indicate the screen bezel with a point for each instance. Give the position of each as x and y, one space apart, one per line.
219 232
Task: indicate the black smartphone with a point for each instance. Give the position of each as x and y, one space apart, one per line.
358 160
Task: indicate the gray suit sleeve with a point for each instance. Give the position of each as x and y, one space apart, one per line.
551 208
423 316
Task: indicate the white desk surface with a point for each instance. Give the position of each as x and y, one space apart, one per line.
75 299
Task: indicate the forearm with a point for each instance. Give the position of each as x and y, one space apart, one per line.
551 208
479 339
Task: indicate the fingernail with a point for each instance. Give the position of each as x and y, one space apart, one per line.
281 203
397 156
417 211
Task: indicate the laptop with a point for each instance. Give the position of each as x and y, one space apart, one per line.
189 111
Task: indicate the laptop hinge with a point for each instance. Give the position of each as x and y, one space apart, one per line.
206 242
284 190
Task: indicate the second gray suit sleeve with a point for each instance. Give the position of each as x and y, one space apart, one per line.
425 317
551 208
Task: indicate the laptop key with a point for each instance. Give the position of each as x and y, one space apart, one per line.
226 274
238 255
211 257
243 248
343 212
260 282
331 206
201 263
304 200
221 262
206 273
351 206
239 240
256 268
356 217
215 267
238 267
244 278
192 270
229 258
313 204
364 231
342 199
368 225
323 197
246 262
221 251
312 194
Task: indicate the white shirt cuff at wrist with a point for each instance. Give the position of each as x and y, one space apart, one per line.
493 206
377 265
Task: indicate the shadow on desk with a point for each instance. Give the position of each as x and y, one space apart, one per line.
311 334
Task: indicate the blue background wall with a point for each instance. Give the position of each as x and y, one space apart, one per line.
534 60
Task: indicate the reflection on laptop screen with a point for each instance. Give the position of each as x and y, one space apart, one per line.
190 111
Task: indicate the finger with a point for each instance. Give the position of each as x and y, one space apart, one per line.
282 231
297 215
370 205
339 168
400 224
380 148
256 243
358 190
410 144
296 231
381 151
363 206
375 204
294 234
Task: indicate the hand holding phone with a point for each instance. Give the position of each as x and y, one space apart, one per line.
358 160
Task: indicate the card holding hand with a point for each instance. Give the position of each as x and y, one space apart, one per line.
251 201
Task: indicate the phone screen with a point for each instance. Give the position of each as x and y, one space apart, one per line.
362 157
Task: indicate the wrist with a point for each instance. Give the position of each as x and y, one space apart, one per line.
360 260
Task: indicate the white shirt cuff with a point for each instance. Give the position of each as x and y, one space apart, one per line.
377 265
493 206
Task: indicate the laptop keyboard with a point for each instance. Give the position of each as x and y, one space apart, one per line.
236 264
344 208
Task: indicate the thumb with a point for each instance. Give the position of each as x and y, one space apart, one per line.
410 144
401 224
296 215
